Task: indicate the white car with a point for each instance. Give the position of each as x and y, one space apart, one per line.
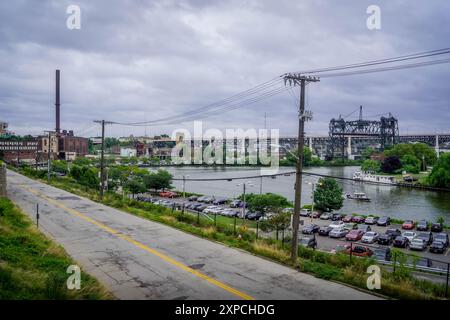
229 212
337 224
325 216
211 209
410 235
370 237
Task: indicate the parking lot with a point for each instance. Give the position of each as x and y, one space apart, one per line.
324 243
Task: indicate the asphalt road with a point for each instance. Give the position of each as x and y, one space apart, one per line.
140 259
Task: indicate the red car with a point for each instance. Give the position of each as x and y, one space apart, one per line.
168 194
358 219
408 225
354 235
360 251
347 218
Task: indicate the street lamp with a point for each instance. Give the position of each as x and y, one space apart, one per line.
244 186
184 185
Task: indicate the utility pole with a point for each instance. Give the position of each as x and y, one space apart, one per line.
300 80
102 157
244 187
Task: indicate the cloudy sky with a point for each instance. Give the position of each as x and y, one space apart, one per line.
144 60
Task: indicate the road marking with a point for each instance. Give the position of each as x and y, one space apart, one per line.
141 245
447 252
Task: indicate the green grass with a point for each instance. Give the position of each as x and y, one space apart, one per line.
34 267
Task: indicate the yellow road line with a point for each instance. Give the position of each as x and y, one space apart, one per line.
141 245
447 252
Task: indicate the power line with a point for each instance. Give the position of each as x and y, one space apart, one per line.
381 61
374 70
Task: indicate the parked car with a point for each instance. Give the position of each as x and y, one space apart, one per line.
168 194
288 210
422 225
354 235
201 207
347 218
325 230
194 206
338 233
316 214
337 224
340 248
437 247
312 228
351 226
236 203
325 216
382 253
208 199
371 220
417 244
442 237
370 237
201 199
336 217
230 213
384 221
308 242
408 225
305 212
401 242
360 251
254 216
220 201
211 209
364 228
385 239
409 235
426 236
393 232
192 198
358 219
436 227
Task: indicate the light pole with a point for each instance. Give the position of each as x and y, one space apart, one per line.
244 186
184 185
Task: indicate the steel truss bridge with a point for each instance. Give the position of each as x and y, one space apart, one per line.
354 144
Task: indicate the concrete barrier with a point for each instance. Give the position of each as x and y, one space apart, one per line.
2 180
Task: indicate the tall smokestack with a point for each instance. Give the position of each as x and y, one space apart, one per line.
57 105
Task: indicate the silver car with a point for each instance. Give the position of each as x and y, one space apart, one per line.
370 237
338 233
417 244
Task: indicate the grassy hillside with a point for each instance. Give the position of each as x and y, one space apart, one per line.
34 267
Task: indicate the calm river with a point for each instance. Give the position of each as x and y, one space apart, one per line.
386 200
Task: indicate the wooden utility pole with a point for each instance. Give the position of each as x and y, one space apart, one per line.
297 79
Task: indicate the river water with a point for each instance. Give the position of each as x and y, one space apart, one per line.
392 201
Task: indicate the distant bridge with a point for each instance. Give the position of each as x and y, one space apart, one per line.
355 144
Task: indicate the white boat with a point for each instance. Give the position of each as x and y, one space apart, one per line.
361 196
371 177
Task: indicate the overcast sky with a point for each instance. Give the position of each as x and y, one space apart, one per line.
143 60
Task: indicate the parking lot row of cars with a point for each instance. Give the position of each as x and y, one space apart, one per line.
351 231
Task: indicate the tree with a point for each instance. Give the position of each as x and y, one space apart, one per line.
265 202
135 186
410 163
60 166
440 175
292 156
370 165
391 164
159 180
367 152
278 221
85 175
419 150
328 195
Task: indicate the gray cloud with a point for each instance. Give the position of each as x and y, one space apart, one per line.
142 60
